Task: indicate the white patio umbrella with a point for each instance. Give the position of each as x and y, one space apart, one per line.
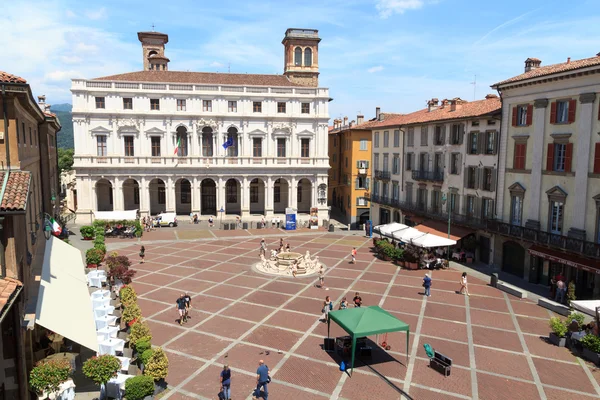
389 229
406 234
431 240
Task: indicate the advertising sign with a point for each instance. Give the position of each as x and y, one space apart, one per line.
290 219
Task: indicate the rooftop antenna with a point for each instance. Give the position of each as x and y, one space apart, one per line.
474 83
153 27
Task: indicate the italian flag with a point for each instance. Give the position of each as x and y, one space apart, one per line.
177 147
56 229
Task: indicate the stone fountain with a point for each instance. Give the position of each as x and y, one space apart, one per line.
282 263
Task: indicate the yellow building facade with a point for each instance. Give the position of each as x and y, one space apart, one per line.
349 176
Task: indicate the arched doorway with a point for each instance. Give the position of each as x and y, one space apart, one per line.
181 141
232 137
104 195
207 142
208 198
257 196
233 196
131 195
364 217
183 197
513 259
158 196
281 189
396 216
304 196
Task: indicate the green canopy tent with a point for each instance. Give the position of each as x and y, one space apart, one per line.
367 321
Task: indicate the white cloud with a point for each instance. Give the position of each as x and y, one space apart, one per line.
71 59
216 64
62 75
96 14
377 68
388 7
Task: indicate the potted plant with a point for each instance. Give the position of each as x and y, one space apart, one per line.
130 315
591 348
559 331
142 345
139 332
87 232
93 257
143 358
399 257
387 251
118 269
127 295
157 366
101 369
411 257
101 247
139 387
45 378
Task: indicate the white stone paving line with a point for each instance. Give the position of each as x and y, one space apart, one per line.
474 385
444 392
536 377
238 340
589 375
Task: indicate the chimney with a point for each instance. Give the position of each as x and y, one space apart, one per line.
491 96
41 99
568 60
360 119
377 113
432 104
456 103
352 123
345 121
532 63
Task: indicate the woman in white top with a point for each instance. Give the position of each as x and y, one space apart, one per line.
463 284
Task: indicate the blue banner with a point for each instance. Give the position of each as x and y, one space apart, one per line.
290 222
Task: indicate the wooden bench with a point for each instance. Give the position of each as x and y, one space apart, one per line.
510 289
441 364
554 306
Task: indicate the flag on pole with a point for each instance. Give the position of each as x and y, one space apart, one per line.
177 146
54 226
228 143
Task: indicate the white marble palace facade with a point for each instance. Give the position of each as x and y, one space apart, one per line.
153 140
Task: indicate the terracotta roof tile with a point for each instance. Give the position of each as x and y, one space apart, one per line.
465 110
8 287
10 78
16 191
552 69
211 78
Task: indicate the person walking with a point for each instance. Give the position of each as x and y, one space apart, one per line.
226 382
262 379
463 284
142 254
353 254
357 300
263 247
322 278
327 306
180 306
427 285
188 304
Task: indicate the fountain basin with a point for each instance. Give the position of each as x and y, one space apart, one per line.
288 258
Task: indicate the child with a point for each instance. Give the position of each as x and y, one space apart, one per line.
343 304
463 284
353 253
142 254
357 300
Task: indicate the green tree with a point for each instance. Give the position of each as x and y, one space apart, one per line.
65 159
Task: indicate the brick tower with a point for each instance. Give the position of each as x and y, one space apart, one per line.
301 56
153 51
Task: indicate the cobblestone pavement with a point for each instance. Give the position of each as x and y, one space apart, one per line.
497 342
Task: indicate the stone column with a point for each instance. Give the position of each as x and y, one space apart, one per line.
93 196
269 197
144 196
293 193
195 195
581 159
245 200
537 164
220 195
117 188
170 195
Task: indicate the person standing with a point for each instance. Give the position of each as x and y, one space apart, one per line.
180 306
560 290
327 306
263 247
226 382
353 254
262 379
322 278
427 285
343 304
357 300
188 305
463 284
142 254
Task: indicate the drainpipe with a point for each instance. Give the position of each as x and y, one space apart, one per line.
5 114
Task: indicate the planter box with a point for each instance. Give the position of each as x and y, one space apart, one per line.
412 265
92 266
591 356
88 238
159 386
557 341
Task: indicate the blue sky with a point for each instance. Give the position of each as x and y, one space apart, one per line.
389 53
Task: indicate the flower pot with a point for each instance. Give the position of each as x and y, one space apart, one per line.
88 238
159 386
92 266
591 356
557 341
412 265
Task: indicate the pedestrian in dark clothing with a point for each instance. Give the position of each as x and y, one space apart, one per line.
226 382
180 305
357 300
262 379
142 254
427 285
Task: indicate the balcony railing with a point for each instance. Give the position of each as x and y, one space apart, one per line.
383 175
431 176
589 249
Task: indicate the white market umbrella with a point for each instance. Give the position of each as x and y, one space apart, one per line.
431 240
407 234
389 229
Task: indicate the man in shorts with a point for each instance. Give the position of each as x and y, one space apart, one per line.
180 305
188 305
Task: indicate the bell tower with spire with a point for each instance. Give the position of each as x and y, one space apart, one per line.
153 51
301 56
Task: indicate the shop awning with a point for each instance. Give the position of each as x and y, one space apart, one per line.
431 240
388 229
64 305
570 259
129 215
441 229
407 234
586 306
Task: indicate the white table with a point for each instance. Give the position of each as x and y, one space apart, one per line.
116 386
70 357
105 321
109 331
111 346
66 391
99 294
103 311
104 301
124 363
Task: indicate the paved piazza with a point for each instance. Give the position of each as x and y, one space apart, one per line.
497 342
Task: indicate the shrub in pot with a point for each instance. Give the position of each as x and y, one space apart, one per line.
591 348
131 314
127 295
101 369
138 387
87 232
93 257
101 247
579 317
118 268
411 257
559 331
139 331
142 345
144 356
157 366
387 251
99 239
399 256
45 378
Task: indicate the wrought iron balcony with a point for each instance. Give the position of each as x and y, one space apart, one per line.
383 175
431 176
589 249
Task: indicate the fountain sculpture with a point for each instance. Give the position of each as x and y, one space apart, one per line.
286 262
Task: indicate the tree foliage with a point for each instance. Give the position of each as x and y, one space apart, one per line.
65 159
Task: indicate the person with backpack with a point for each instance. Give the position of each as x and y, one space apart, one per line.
262 379
225 393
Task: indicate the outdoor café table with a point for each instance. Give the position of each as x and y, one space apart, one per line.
99 294
109 331
70 357
105 321
111 346
66 391
94 280
104 301
124 363
116 386
457 256
103 311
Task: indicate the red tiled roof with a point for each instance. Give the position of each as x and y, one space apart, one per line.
552 69
465 110
211 78
10 78
16 190
8 286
